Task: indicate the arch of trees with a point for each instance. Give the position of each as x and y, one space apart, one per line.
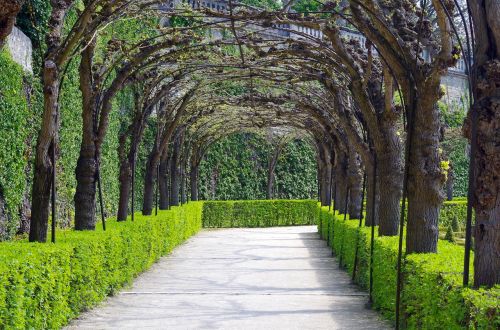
200 73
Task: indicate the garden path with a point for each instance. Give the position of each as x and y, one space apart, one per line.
242 278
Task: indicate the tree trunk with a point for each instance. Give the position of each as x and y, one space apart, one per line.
326 181
86 168
194 182
174 174
425 176
322 183
355 185
449 184
273 160
8 13
372 216
389 184
42 174
342 184
324 174
125 186
149 184
270 184
486 179
163 181
183 183
124 178
85 204
486 199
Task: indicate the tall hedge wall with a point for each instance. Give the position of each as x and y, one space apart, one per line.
15 122
433 296
261 213
42 286
456 208
235 168
21 105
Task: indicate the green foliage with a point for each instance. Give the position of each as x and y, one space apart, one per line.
296 171
261 213
483 308
454 224
236 168
453 211
42 286
455 150
450 237
264 4
304 6
453 115
23 119
14 133
432 290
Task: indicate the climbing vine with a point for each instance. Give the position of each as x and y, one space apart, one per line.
236 168
14 132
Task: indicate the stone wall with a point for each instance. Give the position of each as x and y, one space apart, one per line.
20 49
456 89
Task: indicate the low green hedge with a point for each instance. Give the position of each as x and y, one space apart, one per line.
433 296
456 208
259 213
42 286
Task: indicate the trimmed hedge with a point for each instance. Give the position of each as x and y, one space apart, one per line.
259 213
456 208
432 292
42 286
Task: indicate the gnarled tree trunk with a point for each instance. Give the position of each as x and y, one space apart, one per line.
8 12
86 168
425 176
390 182
355 185
42 174
486 194
372 199
42 178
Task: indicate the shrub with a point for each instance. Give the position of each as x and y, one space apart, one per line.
449 235
42 286
454 210
259 213
15 117
454 225
432 291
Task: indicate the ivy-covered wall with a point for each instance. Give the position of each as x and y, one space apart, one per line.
15 122
236 168
21 105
